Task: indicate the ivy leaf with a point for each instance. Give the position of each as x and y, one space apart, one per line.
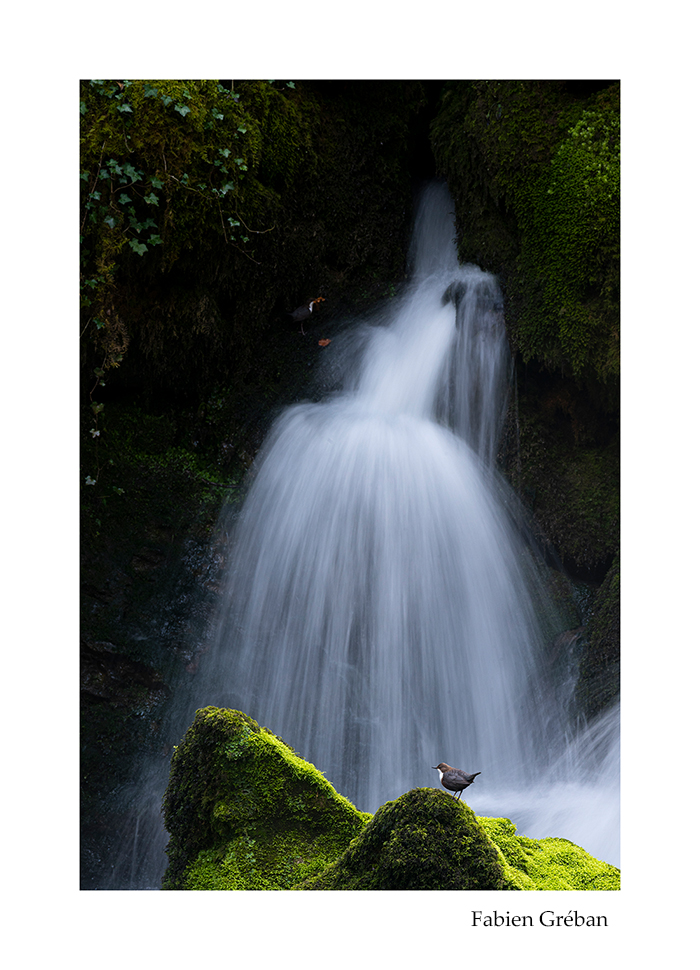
152 199
182 109
110 221
138 247
124 108
156 182
154 240
149 92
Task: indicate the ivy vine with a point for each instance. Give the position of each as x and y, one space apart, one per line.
161 163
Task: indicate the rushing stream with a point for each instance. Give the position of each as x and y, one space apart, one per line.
383 610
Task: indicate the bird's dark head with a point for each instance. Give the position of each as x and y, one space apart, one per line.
442 766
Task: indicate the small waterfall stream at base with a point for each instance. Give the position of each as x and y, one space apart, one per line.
383 612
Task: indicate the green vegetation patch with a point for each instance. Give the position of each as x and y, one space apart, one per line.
245 812
422 840
547 864
535 174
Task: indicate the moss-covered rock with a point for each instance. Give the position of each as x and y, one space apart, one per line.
541 864
534 168
423 840
244 812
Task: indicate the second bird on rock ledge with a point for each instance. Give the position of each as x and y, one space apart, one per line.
454 779
304 312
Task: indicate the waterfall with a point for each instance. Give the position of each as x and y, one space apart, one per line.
383 611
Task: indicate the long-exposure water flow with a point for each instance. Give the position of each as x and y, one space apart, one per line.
383 611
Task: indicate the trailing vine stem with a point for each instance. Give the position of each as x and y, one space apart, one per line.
99 168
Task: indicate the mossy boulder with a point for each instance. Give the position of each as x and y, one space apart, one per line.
423 840
542 864
245 812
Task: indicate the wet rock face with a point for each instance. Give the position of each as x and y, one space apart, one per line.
147 597
107 675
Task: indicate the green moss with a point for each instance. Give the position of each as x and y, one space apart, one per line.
547 864
570 250
534 171
422 840
245 812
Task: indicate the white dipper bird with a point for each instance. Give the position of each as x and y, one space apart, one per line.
454 779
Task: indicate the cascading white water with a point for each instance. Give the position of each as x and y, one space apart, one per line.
382 612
